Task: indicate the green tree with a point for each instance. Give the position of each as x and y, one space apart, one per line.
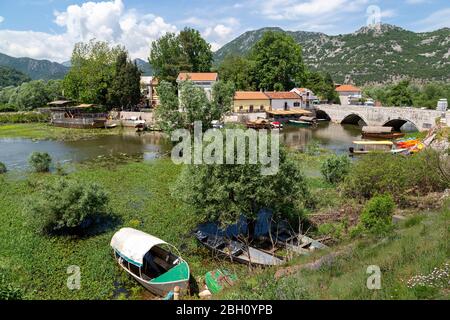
400 95
237 70
277 62
92 72
69 207
173 53
12 77
2 168
223 192
125 90
376 217
30 95
196 49
54 90
194 104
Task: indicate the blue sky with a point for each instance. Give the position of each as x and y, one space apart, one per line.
48 29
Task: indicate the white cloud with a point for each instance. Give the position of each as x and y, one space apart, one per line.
106 20
436 20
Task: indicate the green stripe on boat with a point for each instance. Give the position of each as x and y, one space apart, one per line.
178 273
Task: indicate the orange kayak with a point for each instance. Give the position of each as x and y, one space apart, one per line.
407 143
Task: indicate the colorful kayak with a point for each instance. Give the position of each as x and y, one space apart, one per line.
219 279
407 143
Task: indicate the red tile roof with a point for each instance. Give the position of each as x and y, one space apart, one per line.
250 95
347 88
197 76
282 95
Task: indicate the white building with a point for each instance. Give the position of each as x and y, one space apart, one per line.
349 94
205 80
284 100
148 90
308 97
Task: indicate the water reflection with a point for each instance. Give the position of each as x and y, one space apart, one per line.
15 152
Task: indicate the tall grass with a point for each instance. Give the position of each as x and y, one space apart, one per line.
23 117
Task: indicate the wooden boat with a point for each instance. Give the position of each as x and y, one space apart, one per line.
259 124
298 243
152 262
111 126
365 147
236 251
299 123
276 125
311 120
381 133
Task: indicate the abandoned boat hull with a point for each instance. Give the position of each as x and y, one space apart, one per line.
247 255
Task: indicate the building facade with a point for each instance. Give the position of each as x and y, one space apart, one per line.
250 101
349 94
308 97
205 80
284 100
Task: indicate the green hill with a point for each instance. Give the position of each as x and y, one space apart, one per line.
11 77
383 54
35 69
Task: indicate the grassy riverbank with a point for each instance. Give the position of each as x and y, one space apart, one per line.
418 247
44 131
140 197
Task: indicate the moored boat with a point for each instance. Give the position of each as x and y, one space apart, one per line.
259 124
299 123
381 132
236 251
152 262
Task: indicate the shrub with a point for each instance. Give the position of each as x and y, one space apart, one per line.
69 207
335 168
396 175
2 168
23 117
376 217
8 291
40 161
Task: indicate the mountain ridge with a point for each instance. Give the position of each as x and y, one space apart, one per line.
380 54
35 69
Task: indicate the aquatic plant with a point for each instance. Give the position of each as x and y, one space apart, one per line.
40 161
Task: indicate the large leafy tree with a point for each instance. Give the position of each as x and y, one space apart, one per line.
172 53
277 62
224 192
194 103
322 86
238 70
196 49
125 90
30 95
93 68
401 94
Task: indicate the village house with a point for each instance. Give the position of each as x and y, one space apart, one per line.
250 101
349 94
205 80
308 97
284 100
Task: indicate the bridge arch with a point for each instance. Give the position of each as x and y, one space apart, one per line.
354 119
398 123
320 114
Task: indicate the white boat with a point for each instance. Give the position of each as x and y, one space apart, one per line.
154 263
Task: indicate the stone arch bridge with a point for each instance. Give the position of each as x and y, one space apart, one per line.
380 116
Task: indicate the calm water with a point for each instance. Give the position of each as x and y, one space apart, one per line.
15 152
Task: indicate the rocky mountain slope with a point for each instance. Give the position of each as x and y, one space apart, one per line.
35 69
372 54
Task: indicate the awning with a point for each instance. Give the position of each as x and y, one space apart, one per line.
133 244
374 143
378 129
288 112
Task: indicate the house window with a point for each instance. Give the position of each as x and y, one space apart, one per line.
296 104
286 106
241 108
251 108
261 108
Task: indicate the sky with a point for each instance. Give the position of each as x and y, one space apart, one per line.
48 29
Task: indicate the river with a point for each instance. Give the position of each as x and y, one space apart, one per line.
14 153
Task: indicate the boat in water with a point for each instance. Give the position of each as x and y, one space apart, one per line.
366 147
152 262
299 123
381 133
259 124
236 251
